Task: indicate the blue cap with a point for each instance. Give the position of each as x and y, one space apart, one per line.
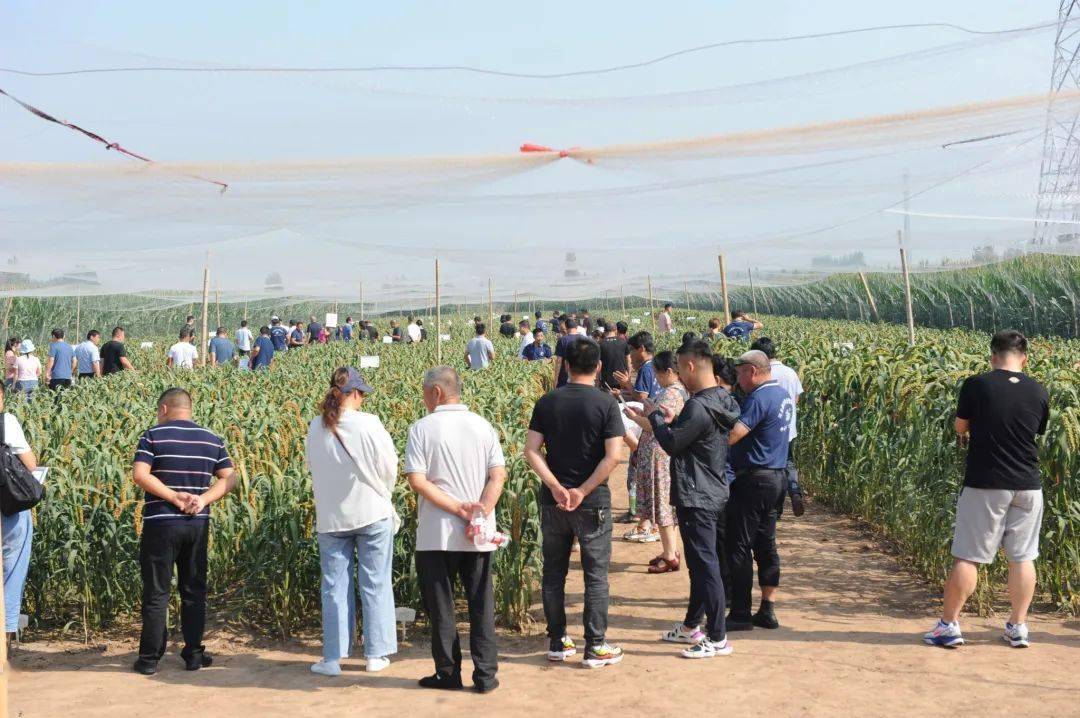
356 382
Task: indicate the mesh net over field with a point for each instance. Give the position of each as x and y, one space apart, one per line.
327 188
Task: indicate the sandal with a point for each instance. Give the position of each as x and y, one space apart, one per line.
666 566
656 561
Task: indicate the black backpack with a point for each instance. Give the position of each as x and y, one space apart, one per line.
19 490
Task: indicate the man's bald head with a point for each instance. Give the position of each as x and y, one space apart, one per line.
174 403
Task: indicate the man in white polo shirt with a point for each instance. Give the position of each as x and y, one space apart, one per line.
455 464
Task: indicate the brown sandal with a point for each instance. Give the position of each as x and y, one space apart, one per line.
656 561
666 565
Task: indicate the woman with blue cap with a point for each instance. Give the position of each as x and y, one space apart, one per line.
353 471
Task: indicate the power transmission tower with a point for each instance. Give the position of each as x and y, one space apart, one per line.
1059 177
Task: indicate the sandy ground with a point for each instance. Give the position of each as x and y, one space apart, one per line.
850 643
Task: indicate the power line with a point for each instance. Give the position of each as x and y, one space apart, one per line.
526 75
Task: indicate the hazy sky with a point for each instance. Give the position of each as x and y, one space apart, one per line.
268 117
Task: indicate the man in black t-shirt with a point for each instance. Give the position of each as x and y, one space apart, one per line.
113 354
580 429
613 357
1001 504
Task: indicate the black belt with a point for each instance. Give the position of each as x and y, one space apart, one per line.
758 470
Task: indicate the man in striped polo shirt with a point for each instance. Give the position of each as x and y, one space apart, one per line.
174 464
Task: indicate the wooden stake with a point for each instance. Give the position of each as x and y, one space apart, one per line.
438 318
491 307
78 310
723 291
515 304
622 301
205 312
361 301
907 293
686 292
245 311
217 303
753 294
869 296
971 312
652 309
7 315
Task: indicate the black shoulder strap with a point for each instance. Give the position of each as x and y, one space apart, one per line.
3 425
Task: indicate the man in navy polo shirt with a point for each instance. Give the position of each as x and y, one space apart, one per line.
759 456
741 327
174 464
279 335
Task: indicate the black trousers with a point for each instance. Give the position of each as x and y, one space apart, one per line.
592 527
698 529
752 533
60 384
166 543
723 551
436 571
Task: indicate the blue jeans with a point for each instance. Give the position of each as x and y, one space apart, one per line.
338 554
27 386
18 530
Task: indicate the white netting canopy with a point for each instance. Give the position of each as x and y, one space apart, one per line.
367 175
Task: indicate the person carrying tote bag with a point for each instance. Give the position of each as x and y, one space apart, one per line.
353 467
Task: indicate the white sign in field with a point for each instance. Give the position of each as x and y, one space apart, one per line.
369 362
444 337
387 340
331 319
635 320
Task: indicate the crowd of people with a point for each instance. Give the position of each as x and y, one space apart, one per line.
710 440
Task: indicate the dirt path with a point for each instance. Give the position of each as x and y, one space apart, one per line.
849 644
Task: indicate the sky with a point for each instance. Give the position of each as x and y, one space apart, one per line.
221 117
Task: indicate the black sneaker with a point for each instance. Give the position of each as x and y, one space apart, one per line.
739 623
146 668
765 617
487 687
197 659
444 683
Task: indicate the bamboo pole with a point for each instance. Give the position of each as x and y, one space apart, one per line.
907 292
869 296
686 293
78 310
245 311
652 309
361 301
217 304
491 307
515 304
438 318
753 294
723 290
205 312
7 315
622 301
971 311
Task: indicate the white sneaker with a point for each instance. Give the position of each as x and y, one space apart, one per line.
374 665
679 634
561 649
704 648
1016 635
946 635
326 668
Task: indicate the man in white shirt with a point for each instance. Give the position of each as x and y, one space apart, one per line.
244 341
525 337
789 380
88 357
183 354
479 352
455 464
413 331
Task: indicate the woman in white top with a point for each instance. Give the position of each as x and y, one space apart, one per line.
27 369
353 471
17 529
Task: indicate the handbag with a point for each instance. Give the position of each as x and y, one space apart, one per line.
377 486
19 490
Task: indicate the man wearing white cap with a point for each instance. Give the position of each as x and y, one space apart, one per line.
759 456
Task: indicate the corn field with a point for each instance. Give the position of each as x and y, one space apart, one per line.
264 568
875 441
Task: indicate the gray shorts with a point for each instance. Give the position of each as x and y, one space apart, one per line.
987 519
